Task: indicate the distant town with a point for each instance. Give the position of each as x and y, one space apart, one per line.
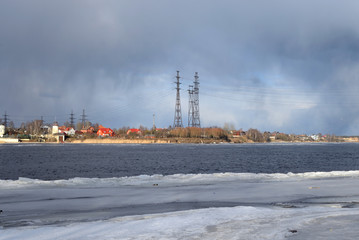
38 131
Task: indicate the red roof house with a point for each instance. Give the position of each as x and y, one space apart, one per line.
105 132
134 130
89 129
67 130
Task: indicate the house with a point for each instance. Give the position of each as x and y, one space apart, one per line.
55 129
78 133
315 137
135 131
67 130
303 137
105 132
70 131
62 129
45 129
237 134
60 137
2 130
89 129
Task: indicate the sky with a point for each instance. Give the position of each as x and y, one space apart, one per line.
275 65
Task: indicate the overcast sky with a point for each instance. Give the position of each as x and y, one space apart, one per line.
275 65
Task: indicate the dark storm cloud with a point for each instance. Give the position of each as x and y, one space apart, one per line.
59 55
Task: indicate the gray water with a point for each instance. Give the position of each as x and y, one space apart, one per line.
64 161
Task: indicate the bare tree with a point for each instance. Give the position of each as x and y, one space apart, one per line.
11 125
34 127
255 135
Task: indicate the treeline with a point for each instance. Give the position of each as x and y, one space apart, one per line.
192 132
38 128
226 135
251 135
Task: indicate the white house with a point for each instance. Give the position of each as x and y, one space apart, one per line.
70 132
2 130
55 129
315 137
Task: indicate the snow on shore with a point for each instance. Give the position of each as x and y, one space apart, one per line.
176 179
212 223
202 206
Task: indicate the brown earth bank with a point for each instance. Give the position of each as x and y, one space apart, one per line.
185 140
173 140
147 141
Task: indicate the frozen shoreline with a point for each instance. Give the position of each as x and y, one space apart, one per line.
213 223
206 206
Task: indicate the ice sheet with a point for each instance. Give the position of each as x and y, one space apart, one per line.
212 223
210 206
170 180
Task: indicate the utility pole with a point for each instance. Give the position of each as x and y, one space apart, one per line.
72 119
178 114
83 118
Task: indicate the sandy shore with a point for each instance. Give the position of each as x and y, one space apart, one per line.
122 141
147 141
153 141
173 140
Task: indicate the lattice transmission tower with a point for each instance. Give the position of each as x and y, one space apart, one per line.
190 106
83 118
178 113
193 108
72 119
6 119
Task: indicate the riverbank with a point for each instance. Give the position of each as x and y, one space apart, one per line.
147 141
187 140
9 140
167 141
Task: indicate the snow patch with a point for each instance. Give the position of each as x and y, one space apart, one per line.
172 180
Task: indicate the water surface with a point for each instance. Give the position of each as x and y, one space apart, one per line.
50 162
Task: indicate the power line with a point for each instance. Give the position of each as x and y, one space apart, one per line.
275 91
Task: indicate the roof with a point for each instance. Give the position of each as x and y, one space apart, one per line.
134 130
103 131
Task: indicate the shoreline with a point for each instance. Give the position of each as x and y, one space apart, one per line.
162 141
147 141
